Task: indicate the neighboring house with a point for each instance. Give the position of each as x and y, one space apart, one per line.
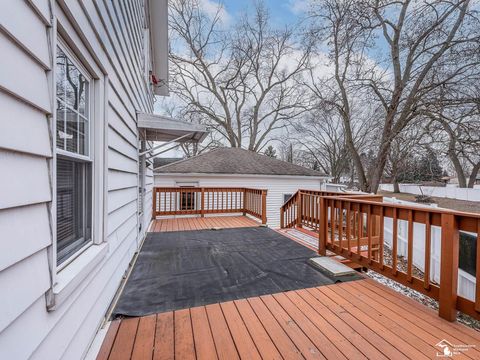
234 167
77 85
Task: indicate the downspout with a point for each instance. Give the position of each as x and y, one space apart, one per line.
51 250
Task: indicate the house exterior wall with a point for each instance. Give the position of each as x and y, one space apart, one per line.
277 186
46 313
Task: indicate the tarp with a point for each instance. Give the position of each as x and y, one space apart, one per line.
177 270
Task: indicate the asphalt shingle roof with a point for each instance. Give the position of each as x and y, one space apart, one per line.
236 161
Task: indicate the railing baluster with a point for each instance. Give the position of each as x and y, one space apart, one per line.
394 242
332 222
410 246
340 225
359 229
323 231
369 233
348 228
165 201
428 240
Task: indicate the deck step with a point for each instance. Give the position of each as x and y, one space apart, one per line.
331 266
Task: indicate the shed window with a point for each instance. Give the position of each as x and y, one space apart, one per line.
74 162
286 197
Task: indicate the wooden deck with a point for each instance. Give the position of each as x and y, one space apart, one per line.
199 223
355 320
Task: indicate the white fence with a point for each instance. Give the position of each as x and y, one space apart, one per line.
450 192
466 282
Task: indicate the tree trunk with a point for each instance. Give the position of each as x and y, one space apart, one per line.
396 186
380 166
473 175
462 181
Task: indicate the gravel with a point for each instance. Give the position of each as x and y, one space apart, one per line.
413 294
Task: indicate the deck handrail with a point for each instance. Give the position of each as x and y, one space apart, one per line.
209 200
299 209
353 227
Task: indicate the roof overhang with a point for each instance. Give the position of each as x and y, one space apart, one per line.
159 33
157 172
162 128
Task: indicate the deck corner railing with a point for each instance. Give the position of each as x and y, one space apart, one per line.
353 226
209 200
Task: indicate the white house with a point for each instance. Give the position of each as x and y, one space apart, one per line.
234 167
77 85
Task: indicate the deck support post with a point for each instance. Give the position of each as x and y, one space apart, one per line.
264 207
323 228
449 268
299 209
202 203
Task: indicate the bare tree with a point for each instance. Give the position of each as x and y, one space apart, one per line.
386 52
412 141
321 135
457 131
243 80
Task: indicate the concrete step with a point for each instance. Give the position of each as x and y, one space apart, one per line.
331 266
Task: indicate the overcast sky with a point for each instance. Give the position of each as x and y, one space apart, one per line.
282 12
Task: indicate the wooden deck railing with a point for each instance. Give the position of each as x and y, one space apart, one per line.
303 207
353 226
209 200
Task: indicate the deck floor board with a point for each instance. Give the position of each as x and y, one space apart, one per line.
339 321
199 223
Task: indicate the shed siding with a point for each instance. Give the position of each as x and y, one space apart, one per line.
276 186
108 36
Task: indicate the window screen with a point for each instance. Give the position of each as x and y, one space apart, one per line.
286 197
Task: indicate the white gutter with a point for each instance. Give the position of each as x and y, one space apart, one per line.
159 33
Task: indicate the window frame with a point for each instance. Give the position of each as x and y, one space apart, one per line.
88 159
285 194
184 197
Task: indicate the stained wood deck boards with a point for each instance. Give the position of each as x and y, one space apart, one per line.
355 320
199 223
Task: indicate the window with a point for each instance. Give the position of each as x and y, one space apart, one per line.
74 161
286 197
187 201
187 198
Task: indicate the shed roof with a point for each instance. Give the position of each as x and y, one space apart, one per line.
236 161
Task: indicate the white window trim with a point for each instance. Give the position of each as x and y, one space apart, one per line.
67 277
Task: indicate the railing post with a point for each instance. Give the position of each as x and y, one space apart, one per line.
299 209
244 202
282 214
154 204
202 203
449 268
323 230
264 207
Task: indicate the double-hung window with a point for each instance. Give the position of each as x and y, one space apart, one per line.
73 156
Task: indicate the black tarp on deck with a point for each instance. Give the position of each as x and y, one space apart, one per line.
176 270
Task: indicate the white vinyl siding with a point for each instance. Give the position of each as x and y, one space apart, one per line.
108 36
